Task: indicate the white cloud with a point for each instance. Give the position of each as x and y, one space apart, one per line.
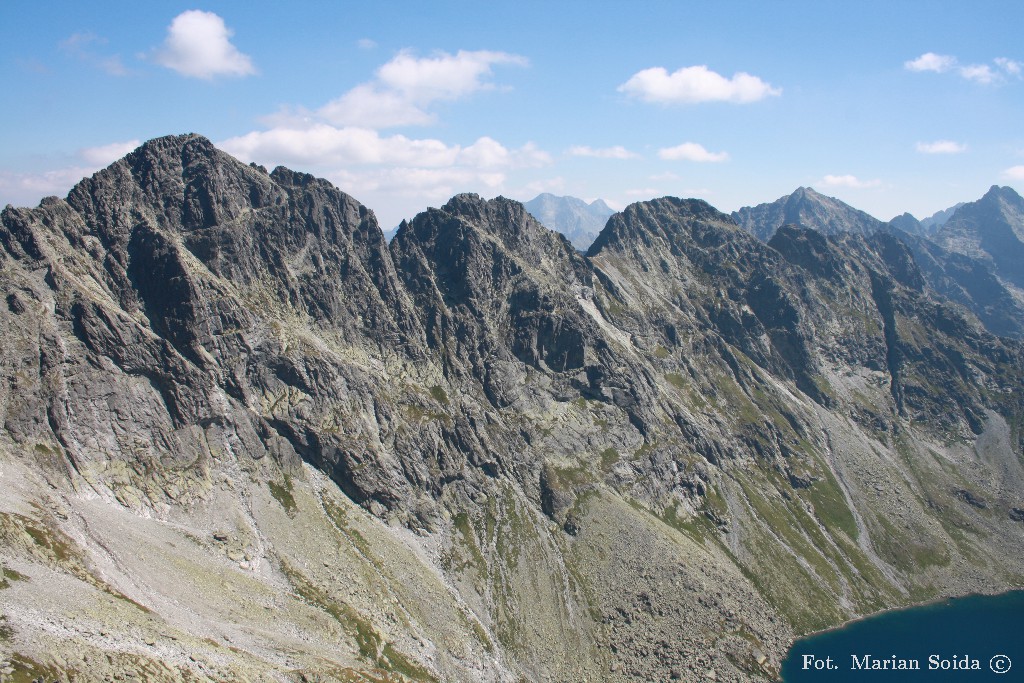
104 155
366 43
402 192
850 181
616 152
325 145
443 76
438 184
930 61
941 147
1010 66
342 140
406 85
695 84
980 73
1014 173
26 189
396 174
322 144
372 106
198 45
489 153
691 151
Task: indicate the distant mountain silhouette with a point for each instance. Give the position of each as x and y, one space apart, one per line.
576 219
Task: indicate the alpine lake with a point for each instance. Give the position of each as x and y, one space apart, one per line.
975 638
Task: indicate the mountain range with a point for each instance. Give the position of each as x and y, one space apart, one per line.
247 438
576 219
969 254
973 262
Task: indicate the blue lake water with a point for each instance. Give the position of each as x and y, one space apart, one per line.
965 639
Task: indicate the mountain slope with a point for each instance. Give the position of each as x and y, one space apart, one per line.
576 219
807 208
246 436
992 229
970 281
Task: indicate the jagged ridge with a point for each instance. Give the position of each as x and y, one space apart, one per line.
600 453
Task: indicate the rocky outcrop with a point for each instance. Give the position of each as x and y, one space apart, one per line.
475 453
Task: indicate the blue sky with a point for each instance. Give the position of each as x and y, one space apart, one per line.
890 106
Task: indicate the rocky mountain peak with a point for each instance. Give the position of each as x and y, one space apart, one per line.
908 223
180 183
1003 193
803 194
990 229
807 207
667 219
506 221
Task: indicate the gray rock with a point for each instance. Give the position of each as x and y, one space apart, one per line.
684 435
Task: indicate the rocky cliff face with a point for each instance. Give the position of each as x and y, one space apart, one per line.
973 258
971 281
245 437
992 229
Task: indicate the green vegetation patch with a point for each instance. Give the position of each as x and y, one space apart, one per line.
613 306
45 541
418 414
804 593
904 551
282 493
697 528
52 541
393 660
371 645
609 457
745 410
676 380
715 503
565 478
830 505
28 670
439 395
339 518
646 449
465 529
54 547
7 576
515 537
